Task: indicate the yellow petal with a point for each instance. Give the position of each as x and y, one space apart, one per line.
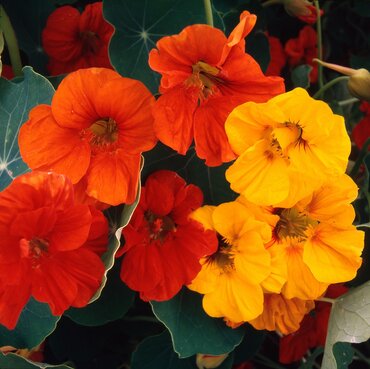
203 215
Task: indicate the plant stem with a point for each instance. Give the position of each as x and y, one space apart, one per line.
319 43
266 361
350 101
270 2
11 42
208 10
360 158
329 85
326 299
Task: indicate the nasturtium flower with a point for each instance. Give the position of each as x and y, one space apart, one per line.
302 49
361 131
74 41
302 9
204 76
94 132
282 314
231 278
163 245
312 331
50 246
277 57
287 147
317 239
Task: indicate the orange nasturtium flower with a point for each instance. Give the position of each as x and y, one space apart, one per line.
281 314
287 147
163 245
204 76
50 246
73 40
94 132
317 239
231 278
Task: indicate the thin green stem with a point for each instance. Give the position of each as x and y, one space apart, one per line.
350 101
360 158
11 42
319 43
326 299
270 2
329 85
361 356
208 11
266 361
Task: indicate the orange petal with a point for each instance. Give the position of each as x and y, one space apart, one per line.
113 177
45 145
173 118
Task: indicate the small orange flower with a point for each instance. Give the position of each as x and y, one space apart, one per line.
204 76
94 132
50 246
73 40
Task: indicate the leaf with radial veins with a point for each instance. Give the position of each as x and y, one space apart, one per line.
140 24
16 101
349 322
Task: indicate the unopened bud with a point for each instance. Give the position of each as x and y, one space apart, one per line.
204 361
358 82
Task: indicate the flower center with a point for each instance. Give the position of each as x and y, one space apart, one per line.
293 224
90 42
204 77
159 227
34 248
104 132
223 257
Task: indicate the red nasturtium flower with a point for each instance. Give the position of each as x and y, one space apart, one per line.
94 132
313 329
302 50
204 76
50 246
7 72
162 245
277 57
303 10
361 132
73 40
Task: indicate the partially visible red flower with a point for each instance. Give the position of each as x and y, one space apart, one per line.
302 50
162 245
7 71
204 76
50 246
361 132
94 132
73 40
277 57
313 329
302 9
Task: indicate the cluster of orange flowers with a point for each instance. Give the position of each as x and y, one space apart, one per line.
262 258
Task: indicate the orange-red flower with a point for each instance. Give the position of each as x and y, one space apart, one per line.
302 50
7 72
94 132
204 76
303 10
73 40
361 132
50 246
162 245
313 329
277 57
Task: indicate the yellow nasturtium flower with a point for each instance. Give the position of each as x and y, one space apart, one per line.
231 278
316 238
287 147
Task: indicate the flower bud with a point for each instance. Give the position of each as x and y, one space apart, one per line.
205 361
358 82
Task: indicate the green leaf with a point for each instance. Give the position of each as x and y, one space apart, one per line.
211 180
192 330
301 76
28 20
343 353
139 25
35 323
113 304
310 363
157 352
349 321
16 101
13 361
116 224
